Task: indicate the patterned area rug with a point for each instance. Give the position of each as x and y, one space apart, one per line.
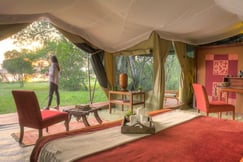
31 136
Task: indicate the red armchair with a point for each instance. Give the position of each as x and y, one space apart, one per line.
203 104
30 115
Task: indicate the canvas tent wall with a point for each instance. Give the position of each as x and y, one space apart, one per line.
160 48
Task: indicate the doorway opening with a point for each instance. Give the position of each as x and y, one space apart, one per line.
172 77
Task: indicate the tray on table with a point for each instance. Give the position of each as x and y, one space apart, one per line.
137 128
83 107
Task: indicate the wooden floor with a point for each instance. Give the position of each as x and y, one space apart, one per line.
12 118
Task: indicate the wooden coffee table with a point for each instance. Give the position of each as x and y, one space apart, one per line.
82 113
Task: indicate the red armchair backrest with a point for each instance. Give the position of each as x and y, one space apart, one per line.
200 93
28 108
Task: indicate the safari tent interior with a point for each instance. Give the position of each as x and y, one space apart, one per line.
210 29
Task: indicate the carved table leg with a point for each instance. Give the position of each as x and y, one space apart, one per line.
84 118
97 117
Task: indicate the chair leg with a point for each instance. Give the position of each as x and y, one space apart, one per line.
233 115
40 133
66 123
21 134
46 129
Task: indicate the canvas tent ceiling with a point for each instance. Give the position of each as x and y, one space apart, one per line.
114 25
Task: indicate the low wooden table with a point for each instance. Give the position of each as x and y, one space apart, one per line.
82 113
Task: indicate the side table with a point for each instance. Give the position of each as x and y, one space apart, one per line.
127 98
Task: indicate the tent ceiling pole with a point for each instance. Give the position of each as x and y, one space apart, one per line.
90 99
94 90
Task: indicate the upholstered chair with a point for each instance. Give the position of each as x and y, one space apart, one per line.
203 104
30 115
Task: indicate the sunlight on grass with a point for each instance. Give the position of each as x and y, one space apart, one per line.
41 90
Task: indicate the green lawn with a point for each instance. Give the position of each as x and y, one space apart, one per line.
7 104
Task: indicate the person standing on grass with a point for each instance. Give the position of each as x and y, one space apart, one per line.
54 73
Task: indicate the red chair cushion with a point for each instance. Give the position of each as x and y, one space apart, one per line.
50 117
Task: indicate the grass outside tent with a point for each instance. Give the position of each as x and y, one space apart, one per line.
41 89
